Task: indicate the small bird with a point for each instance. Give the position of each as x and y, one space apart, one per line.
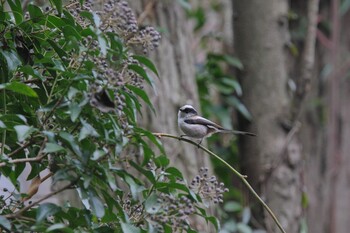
198 127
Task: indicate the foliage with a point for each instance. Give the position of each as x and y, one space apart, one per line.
71 94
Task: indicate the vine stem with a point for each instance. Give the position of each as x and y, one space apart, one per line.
239 175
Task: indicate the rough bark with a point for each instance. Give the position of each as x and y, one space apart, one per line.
176 86
272 160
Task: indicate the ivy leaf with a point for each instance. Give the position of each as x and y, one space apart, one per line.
23 131
19 88
46 210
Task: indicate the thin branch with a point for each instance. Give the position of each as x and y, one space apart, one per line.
39 156
146 12
239 175
19 149
18 213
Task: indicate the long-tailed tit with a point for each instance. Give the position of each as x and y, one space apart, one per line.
195 126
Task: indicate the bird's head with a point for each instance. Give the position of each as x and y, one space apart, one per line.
187 111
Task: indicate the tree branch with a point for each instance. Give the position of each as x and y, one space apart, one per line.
239 175
18 213
308 58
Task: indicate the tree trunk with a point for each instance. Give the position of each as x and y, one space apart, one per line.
272 161
176 85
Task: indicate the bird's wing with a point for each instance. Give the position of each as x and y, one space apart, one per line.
202 121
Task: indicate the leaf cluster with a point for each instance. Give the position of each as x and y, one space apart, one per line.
71 92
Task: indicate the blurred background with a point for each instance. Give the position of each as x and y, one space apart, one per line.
277 68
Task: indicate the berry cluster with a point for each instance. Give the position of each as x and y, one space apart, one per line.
208 188
172 211
119 18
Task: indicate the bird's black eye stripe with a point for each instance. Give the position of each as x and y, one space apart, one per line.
188 110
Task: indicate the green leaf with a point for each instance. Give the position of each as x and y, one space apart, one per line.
240 107
46 210
128 228
68 138
61 53
2 125
214 221
69 31
140 71
4 222
55 22
16 10
142 94
174 171
243 228
35 13
75 111
87 130
24 131
234 61
58 4
148 63
27 69
135 188
145 172
103 44
12 60
19 88
161 161
4 69
234 84
246 215
152 205
58 226
52 147
96 206
232 206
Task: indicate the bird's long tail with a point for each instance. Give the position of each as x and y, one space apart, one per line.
237 132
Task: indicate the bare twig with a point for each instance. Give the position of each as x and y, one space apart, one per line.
19 212
38 158
239 175
146 12
19 149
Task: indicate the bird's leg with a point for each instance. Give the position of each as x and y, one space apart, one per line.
199 142
181 136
